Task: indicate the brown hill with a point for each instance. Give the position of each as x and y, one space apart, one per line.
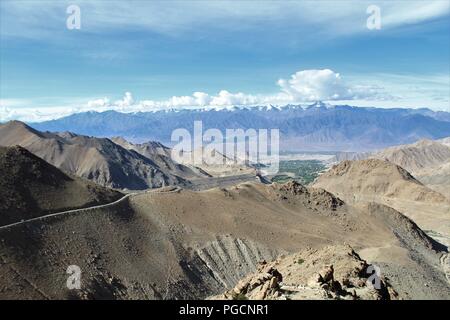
422 155
217 164
161 155
96 159
173 243
427 160
30 187
384 182
375 178
437 178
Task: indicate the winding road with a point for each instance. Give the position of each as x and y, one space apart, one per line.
68 212
198 185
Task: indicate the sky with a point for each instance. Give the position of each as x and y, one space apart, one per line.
152 55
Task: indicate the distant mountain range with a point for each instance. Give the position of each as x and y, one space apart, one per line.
315 127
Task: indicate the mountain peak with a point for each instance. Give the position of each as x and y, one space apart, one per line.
15 127
16 123
320 104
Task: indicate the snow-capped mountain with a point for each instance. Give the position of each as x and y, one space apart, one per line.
317 126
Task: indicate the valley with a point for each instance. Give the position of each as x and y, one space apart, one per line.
202 234
225 159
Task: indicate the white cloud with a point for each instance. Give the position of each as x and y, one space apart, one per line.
34 114
301 87
311 85
25 18
413 12
4 103
102 102
126 101
325 84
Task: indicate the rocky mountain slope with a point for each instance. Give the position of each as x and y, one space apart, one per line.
418 156
375 180
97 159
173 243
212 164
343 275
162 156
427 160
437 178
30 187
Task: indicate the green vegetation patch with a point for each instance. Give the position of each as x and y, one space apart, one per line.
303 171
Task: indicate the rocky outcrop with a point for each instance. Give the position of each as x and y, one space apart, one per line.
311 197
334 272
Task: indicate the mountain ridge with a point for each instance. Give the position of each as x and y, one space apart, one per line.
174 248
97 159
317 127
381 181
427 160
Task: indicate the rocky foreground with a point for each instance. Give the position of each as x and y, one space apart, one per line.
334 272
185 244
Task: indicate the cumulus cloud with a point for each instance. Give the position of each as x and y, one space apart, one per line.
325 84
126 101
102 102
200 99
309 85
301 87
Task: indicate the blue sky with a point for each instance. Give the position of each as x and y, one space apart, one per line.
146 55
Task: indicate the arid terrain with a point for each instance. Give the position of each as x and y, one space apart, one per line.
380 181
296 277
99 159
222 234
225 150
31 187
175 243
427 160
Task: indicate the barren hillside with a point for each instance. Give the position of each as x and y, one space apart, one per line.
30 187
174 243
161 155
96 159
422 155
384 182
427 160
